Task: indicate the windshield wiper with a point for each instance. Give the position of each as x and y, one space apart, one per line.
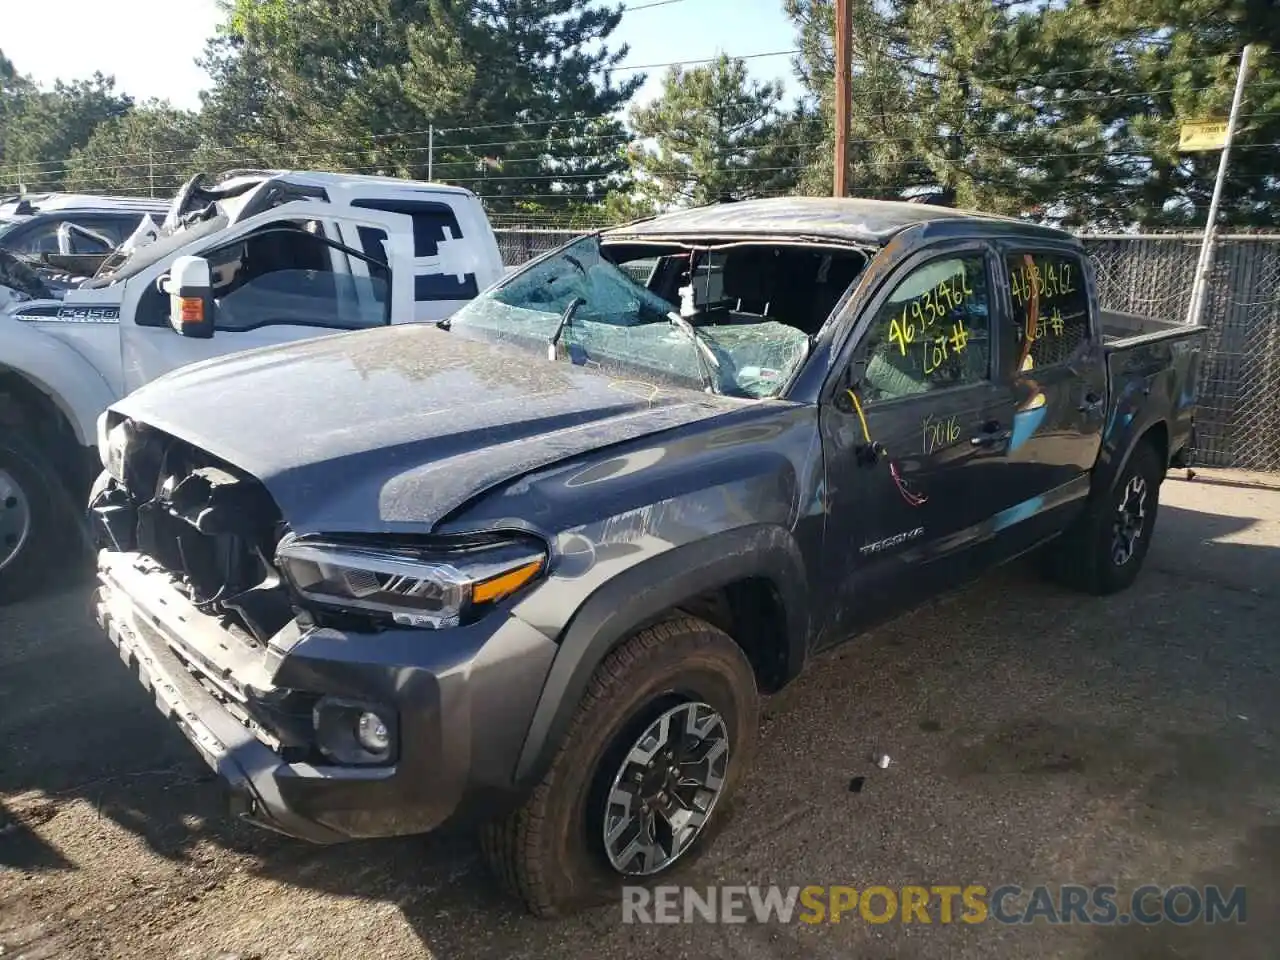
704 353
565 319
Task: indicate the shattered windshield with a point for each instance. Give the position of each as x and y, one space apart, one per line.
578 302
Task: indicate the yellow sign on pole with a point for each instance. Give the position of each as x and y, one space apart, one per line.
1209 135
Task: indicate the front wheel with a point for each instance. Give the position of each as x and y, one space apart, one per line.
659 743
1105 549
34 529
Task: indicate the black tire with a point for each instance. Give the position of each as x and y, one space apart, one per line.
51 527
550 852
1088 556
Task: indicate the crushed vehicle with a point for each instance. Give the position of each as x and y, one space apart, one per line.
62 238
68 223
536 565
277 256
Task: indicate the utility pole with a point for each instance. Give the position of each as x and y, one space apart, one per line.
431 151
844 67
1205 264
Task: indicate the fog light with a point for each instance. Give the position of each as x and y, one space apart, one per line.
372 733
354 732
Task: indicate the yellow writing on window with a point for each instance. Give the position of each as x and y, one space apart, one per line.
1041 281
1053 325
919 316
902 332
944 346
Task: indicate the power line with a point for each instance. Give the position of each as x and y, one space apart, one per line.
374 138
599 140
685 63
632 8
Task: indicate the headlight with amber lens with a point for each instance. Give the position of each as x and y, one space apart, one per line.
414 587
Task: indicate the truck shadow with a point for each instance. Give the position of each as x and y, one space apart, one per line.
1190 542
77 729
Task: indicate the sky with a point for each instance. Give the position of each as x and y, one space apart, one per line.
150 46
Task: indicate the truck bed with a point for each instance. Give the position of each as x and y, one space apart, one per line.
1119 329
1153 371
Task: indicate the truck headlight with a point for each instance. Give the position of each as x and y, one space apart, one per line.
414 587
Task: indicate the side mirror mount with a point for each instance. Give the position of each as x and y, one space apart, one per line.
848 400
190 289
850 382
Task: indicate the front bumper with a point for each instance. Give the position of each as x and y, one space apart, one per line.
462 699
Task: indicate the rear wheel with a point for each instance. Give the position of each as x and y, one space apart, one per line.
659 743
34 527
1105 549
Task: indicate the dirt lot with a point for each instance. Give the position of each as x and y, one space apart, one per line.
1036 736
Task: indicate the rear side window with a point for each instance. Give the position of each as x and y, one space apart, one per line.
1050 307
433 223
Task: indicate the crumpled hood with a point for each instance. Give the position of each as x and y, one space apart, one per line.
392 429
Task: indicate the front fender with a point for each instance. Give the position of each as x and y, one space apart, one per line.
74 385
642 593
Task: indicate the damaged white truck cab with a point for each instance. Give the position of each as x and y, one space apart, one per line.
289 255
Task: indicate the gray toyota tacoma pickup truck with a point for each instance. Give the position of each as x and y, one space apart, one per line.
536 565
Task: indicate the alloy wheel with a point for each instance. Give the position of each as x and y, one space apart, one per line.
665 789
1130 520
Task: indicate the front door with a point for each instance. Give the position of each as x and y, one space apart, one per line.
905 441
274 283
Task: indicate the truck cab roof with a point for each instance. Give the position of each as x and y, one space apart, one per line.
832 220
32 204
239 194
327 179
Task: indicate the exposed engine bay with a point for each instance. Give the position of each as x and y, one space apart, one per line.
212 527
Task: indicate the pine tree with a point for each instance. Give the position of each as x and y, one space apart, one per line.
518 90
714 134
1067 113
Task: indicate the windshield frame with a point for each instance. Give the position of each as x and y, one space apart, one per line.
704 338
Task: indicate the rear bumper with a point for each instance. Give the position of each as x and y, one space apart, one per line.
462 700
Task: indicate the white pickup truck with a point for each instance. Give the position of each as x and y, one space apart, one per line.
276 256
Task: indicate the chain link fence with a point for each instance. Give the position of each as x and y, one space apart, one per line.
521 244
1238 409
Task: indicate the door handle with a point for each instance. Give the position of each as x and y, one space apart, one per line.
1092 403
991 439
991 435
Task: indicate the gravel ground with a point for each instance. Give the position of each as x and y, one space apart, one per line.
1036 736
